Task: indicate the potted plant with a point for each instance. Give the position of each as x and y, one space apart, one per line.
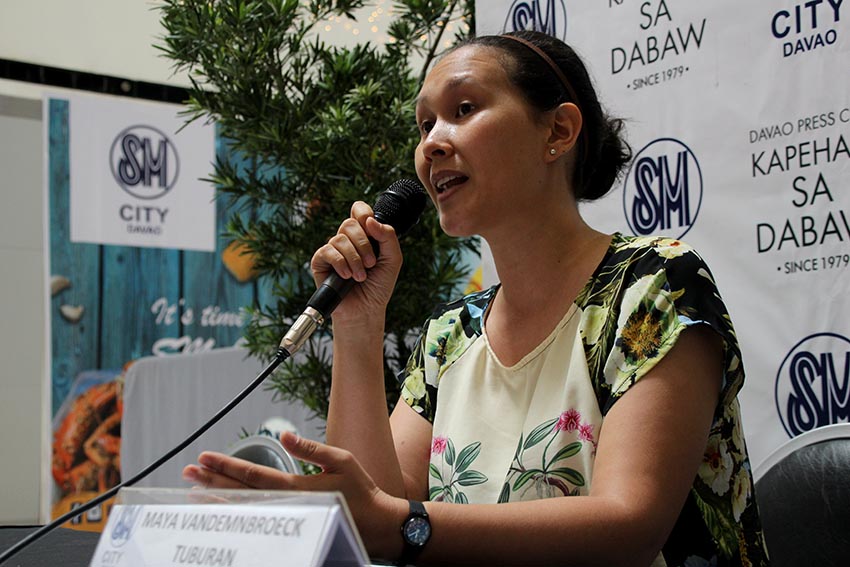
310 128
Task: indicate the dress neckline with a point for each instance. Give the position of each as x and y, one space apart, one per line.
541 347
536 351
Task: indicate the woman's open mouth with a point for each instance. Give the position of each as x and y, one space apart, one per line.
446 183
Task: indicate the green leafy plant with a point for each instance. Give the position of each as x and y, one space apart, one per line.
311 128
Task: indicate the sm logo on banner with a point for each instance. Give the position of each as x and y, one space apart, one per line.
144 162
813 383
663 189
548 16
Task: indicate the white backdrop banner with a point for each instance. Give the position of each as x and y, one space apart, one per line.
135 175
739 118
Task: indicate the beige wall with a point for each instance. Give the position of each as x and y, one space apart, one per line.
22 412
109 37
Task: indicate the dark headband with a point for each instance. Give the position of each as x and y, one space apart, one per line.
561 77
555 69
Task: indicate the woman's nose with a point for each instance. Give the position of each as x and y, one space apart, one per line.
437 143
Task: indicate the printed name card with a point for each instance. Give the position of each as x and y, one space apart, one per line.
306 531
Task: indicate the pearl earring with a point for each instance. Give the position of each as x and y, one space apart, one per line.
552 151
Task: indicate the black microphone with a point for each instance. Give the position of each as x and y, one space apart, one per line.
400 207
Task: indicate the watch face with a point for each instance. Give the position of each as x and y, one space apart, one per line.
417 530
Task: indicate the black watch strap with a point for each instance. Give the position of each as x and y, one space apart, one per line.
415 533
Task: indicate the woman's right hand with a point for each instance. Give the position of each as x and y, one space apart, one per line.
349 253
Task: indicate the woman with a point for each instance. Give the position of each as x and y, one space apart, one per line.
602 367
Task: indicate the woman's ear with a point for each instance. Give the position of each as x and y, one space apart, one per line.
565 129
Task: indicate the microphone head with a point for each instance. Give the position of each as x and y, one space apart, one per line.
401 205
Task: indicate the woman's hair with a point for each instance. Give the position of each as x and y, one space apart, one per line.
602 151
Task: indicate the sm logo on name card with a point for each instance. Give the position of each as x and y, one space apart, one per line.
122 528
663 189
548 16
813 383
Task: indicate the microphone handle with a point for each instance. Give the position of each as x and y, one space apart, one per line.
329 295
320 306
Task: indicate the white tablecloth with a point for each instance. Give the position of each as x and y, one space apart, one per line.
167 398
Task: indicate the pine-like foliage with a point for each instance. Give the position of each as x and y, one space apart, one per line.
315 127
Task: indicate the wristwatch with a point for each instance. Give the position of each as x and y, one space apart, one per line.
415 532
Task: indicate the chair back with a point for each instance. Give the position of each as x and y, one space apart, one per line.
803 494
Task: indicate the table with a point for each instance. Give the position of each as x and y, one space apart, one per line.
62 546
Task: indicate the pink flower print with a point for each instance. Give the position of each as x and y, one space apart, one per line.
569 421
438 445
585 432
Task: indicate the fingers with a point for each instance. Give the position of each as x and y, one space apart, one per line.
208 479
221 471
354 250
354 228
385 236
331 459
361 211
350 252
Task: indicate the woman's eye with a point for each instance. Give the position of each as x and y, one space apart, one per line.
426 126
464 108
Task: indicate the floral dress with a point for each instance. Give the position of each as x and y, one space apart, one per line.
529 431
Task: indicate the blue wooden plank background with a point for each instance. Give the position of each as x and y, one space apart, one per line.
75 346
218 298
119 286
133 279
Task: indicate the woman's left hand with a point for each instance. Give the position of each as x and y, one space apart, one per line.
377 514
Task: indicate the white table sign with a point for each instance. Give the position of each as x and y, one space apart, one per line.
307 531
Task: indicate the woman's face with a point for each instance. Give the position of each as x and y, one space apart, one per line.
482 148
